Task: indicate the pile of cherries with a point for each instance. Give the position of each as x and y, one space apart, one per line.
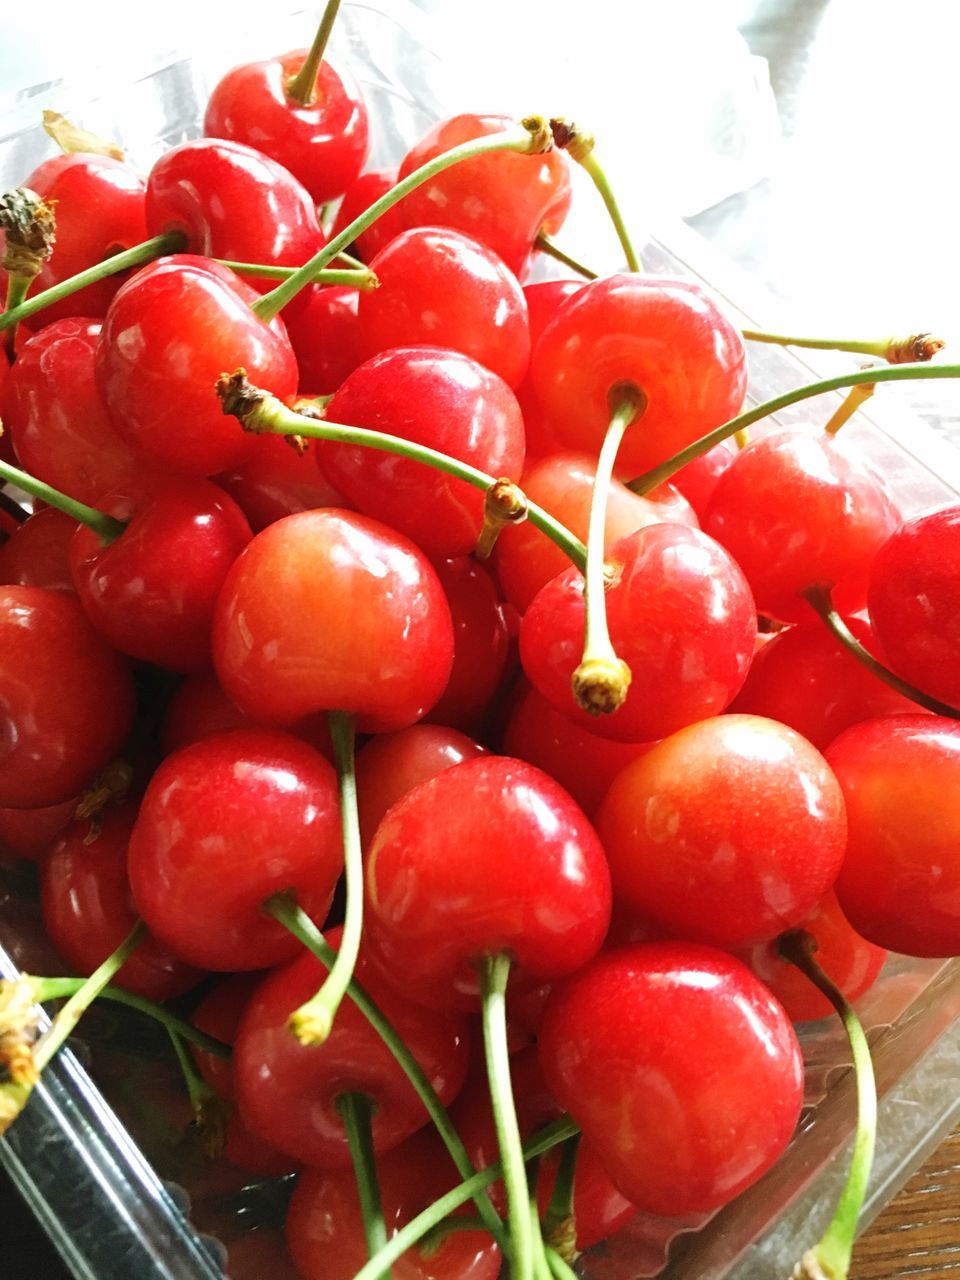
197 617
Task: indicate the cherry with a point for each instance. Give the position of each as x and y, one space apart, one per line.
88 908
678 1131
277 480
67 701
544 299
481 642
287 1091
680 615
324 330
667 337
698 480
900 878
359 196
197 864
329 610
730 831
438 287
29 833
152 590
503 200
168 336
37 553
198 708
437 398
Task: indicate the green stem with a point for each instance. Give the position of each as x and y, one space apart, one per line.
301 88
524 139
546 245
819 598
894 373
559 1268
103 525
59 988
833 1252
541 1270
292 917
601 182
211 1113
416 1228
559 1224
359 278
918 346
261 412
854 398
601 680
312 1022
356 1112
494 971
156 247
17 290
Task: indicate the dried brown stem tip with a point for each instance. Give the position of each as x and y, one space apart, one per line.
570 137
70 138
539 131
563 1238
919 346
30 227
600 685
239 397
505 503
112 786
211 1115
18 1029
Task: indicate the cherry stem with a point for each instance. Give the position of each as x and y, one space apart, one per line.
915 347
283 907
494 972
546 245
559 1222
852 402
559 1268
530 137
601 182
832 1254
601 681
106 528
541 1269
894 373
211 1113
17 289
313 1021
819 598
303 85
356 277
356 1112
156 247
548 1137
259 411
505 503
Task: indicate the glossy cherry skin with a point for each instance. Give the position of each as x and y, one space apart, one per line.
323 144
900 882
437 398
325 1230
277 480
88 908
729 832
502 200
544 300
678 1130
60 427
797 510
232 202
391 764
29 833
67 700
151 592
481 642
37 553
914 601
170 333
562 483
197 864
329 610
359 196
446 885
324 330
441 288
668 337
287 1092
680 615
100 211
809 681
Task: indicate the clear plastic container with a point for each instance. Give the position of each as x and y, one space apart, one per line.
106 1165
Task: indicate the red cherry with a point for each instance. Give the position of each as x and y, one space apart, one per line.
503 199
698 480
88 908
481 642
729 832
437 398
668 337
622 1046
446 884
277 480
544 300
197 864
359 196
29 833
324 330
197 709
329 610
67 702
37 553
170 333
680 615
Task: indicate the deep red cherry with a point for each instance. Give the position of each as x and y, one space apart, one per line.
170 333
447 885
668 337
37 553
437 398
359 196
287 1091
151 592
29 833
278 480
198 708
677 1129
502 200
729 832
324 330
900 881
197 863
481 642
329 610
323 144
680 615
67 699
